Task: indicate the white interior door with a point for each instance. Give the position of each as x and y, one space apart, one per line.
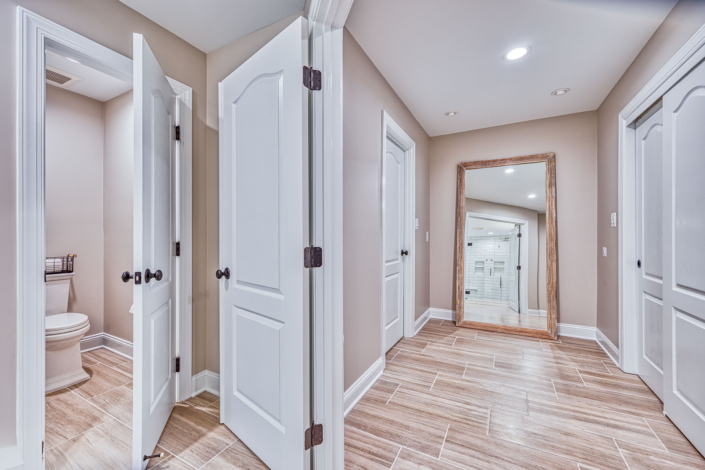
513 263
684 256
649 187
154 320
264 301
393 191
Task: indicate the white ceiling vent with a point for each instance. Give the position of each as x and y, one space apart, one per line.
58 77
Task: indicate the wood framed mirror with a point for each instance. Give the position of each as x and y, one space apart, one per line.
506 246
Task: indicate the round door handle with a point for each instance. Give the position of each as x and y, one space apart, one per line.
405 252
149 275
223 274
126 276
638 264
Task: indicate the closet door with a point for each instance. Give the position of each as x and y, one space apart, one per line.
649 169
684 256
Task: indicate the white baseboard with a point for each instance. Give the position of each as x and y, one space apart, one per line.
421 321
611 350
537 313
442 314
576 331
357 390
11 458
205 381
104 340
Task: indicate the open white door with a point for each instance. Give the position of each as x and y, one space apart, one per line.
264 294
154 290
513 263
684 256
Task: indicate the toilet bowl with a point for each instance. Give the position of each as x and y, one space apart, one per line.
63 334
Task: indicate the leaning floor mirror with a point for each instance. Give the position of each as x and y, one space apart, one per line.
506 258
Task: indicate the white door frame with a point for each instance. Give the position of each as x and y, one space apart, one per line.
680 64
34 35
524 246
393 131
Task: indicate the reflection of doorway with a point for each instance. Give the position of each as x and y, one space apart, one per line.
515 260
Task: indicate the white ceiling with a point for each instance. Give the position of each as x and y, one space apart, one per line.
446 55
496 228
94 84
210 24
513 189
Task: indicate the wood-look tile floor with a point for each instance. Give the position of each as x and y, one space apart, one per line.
454 398
497 315
89 426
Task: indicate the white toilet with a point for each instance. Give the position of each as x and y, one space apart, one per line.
63 334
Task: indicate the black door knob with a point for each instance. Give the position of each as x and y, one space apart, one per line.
126 276
404 252
638 264
223 274
149 275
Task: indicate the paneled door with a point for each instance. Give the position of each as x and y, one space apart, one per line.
649 219
684 255
264 286
154 233
394 252
513 263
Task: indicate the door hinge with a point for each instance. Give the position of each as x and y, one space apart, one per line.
178 132
178 364
313 436
178 248
313 257
312 78
518 268
519 235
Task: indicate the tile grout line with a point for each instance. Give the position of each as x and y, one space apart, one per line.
77 435
465 370
390 397
581 376
620 453
444 442
395 458
101 409
554 389
659 439
216 455
489 413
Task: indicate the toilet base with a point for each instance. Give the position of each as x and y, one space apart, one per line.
66 380
63 360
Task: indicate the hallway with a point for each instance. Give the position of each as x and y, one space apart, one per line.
455 398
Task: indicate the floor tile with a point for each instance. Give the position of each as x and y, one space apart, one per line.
481 393
460 355
67 416
480 452
412 345
410 460
57 393
511 340
570 443
106 357
431 363
449 330
585 343
572 350
642 458
125 368
434 338
486 347
236 457
103 379
202 400
214 409
616 383
543 370
674 441
391 353
172 463
381 391
117 402
194 435
366 452
565 360
523 382
407 374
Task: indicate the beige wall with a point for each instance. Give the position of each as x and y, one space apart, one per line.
514 212
74 195
111 24
542 262
117 213
365 95
679 26
573 139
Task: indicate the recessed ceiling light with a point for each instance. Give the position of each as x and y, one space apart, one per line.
517 53
478 228
451 113
73 60
490 233
532 195
560 91
509 170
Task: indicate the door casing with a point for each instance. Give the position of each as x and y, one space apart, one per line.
35 34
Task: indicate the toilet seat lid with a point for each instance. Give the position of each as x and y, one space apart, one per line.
65 322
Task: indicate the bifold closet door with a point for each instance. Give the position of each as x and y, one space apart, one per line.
154 363
684 255
264 284
649 217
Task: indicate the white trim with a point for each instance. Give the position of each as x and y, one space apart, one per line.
442 314
576 331
35 35
362 385
680 64
10 458
611 350
205 381
110 342
393 131
91 342
421 321
538 313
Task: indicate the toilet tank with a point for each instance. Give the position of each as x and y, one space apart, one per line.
57 293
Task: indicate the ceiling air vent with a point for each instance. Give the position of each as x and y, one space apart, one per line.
58 77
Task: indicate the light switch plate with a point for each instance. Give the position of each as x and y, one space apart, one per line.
417 224
426 236
604 251
613 219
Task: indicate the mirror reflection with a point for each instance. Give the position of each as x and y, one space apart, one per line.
505 246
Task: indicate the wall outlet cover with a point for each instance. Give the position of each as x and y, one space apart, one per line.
417 224
613 219
604 251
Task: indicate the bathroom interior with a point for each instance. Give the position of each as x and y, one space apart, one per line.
89 239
